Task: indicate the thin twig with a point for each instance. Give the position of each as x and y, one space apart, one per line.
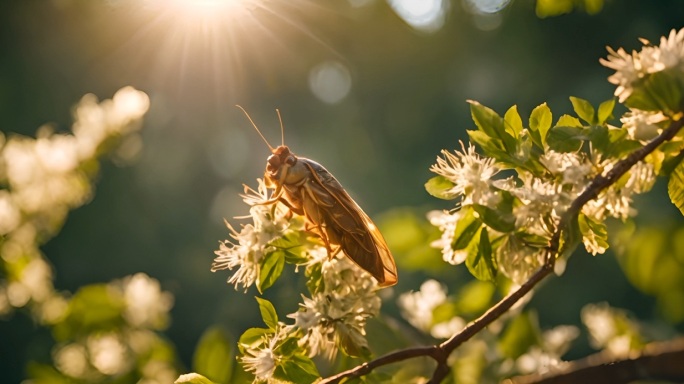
441 351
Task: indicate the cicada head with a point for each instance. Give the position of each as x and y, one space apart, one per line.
282 167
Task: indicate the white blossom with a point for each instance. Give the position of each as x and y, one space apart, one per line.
471 175
642 125
336 316
570 166
146 304
251 244
630 68
616 200
261 358
446 222
417 307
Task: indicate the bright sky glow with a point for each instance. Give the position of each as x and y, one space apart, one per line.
205 10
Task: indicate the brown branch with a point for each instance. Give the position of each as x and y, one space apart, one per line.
657 361
441 351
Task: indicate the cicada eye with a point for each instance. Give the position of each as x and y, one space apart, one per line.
291 160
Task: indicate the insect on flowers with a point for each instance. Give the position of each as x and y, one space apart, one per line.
309 190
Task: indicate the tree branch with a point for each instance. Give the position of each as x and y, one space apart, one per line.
657 361
441 351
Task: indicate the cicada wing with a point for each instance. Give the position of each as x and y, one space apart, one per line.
347 225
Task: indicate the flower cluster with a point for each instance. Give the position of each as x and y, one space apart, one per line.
336 314
342 296
46 177
632 69
253 242
108 349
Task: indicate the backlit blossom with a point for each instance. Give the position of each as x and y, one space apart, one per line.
417 307
642 125
261 358
471 175
630 68
446 222
570 166
251 243
336 316
146 304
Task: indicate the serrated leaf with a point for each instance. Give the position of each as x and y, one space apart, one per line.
486 119
192 378
565 139
540 122
271 269
495 219
583 109
675 186
605 111
513 122
489 122
568 121
439 187
213 355
480 261
268 313
466 227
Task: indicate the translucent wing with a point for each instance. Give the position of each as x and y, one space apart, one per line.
327 204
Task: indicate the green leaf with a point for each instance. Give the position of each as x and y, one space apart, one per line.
268 313
521 334
271 269
288 347
513 122
479 261
495 219
568 121
660 91
292 246
540 122
193 378
253 337
675 186
565 139
486 119
439 187
570 238
593 230
213 356
605 111
466 228
584 110
300 369
492 124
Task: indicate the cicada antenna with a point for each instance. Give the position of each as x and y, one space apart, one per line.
257 129
282 128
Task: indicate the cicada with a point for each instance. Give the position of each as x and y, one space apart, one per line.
309 190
